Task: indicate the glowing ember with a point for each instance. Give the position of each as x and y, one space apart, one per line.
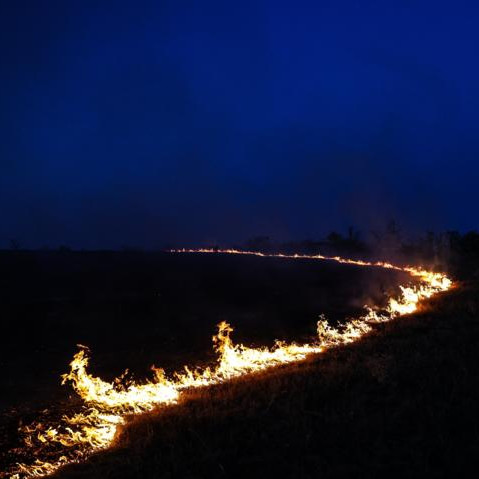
107 404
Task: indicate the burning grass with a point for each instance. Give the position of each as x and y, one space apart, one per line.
109 405
400 403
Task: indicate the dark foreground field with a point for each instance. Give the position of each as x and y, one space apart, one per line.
138 309
402 402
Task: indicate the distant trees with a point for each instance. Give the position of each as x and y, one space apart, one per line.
450 250
387 243
351 244
334 244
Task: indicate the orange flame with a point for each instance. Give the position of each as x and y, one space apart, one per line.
107 404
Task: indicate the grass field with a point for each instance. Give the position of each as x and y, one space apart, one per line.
401 402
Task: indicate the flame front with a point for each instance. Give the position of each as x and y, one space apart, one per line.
107 405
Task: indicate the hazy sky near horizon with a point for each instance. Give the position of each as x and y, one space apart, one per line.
153 122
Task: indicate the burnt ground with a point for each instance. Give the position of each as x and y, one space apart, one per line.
401 402
138 309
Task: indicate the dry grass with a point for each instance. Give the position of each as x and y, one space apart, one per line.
403 402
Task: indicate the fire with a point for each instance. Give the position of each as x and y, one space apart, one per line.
107 405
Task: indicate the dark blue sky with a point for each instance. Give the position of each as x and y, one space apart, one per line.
144 123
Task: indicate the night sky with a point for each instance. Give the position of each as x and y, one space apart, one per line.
148 123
